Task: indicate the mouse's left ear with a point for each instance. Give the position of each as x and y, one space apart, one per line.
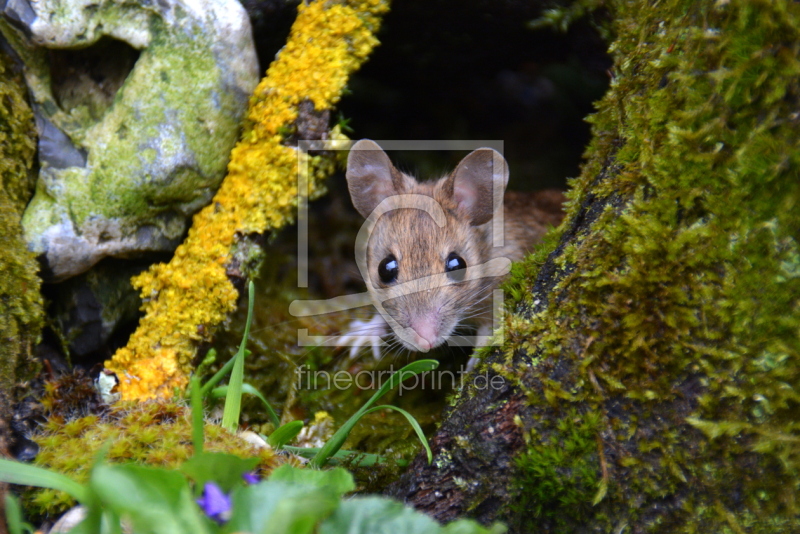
371 177
479 183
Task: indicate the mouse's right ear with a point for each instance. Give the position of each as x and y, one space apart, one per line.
371 177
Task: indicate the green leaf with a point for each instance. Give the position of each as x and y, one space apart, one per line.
219 375
413 422
602 489
208 361
250 390
413 368
98 520
356 458
284 434
277 507
233 401
14 516
467 526
339 480
368 515
157 501
29 475
337 440
224 469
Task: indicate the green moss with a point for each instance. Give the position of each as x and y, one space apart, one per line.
153 433
670 308
558 471
21 318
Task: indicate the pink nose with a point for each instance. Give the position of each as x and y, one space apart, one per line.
423 344
425 335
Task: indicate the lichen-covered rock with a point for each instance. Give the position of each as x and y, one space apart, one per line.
138 106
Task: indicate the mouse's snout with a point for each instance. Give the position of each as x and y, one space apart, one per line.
426 335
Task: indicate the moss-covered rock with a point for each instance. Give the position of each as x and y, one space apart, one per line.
138 107
665 311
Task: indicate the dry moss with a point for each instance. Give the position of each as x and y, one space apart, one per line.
186 298
669 308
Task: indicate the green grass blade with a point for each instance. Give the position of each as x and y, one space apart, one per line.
284 434
338 439
363 459
219 375
209 360
197 415
273 416
233 401
250 390
30 475
413 422
413 368
14 516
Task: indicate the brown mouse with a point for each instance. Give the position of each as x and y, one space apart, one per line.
432 252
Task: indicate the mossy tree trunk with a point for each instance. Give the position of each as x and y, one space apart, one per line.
20 301
652 361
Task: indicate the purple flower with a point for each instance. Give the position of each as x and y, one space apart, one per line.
215 503
251 477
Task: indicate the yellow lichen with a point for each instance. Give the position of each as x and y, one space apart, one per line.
184 298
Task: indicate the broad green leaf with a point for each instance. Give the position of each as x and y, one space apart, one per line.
224 469
157 501
97 520
277 507
339 480
337 440
284 434
233 401
29 475
379 515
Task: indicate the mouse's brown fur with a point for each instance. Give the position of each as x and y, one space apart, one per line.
423 298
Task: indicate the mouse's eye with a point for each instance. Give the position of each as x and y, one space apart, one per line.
387 269
455 267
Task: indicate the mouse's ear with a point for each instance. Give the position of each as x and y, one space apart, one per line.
371 177
478 184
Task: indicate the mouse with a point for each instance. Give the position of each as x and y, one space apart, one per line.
432 252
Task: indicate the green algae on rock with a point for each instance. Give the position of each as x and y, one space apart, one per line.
138 107
666 308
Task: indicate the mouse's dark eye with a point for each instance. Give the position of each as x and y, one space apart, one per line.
387 269
455 267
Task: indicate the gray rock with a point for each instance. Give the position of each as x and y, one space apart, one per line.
138 106
89 308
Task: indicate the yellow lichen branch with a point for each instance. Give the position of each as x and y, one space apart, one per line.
185 298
